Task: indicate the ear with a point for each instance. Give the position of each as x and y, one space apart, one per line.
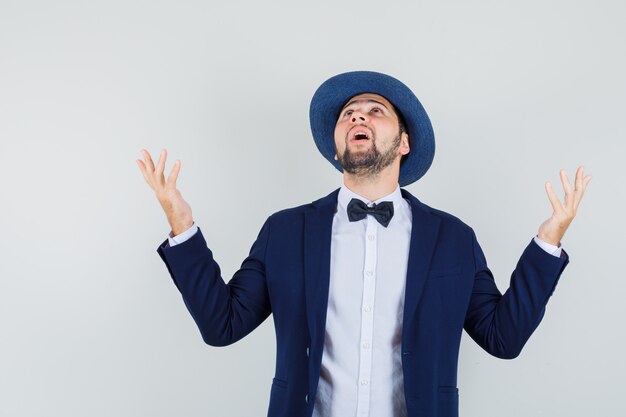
404 144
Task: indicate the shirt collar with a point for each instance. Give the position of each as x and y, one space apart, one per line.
345 195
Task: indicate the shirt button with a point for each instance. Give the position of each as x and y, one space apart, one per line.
368 309
366 345
370 237
364 382
369 273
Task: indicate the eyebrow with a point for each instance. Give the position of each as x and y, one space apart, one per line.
369 101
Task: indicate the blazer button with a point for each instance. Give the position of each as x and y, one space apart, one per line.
307 352
306 398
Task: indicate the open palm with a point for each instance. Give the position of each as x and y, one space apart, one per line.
553 229
176 209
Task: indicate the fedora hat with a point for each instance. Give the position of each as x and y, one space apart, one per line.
333 94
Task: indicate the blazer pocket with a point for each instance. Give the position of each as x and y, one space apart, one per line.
448 401
279 398
448 398
279 383
444 389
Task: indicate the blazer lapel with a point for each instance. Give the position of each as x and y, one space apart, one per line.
424 231
318 220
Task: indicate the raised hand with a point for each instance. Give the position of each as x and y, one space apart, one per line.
553 229
176 209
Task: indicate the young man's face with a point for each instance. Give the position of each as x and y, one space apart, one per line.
367 135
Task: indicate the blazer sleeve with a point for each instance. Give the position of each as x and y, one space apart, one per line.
501 324
224 313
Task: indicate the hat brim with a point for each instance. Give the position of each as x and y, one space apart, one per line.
336 91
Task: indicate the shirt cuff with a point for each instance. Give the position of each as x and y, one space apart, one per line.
184 236
551 249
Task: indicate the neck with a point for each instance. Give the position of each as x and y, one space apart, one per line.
372 187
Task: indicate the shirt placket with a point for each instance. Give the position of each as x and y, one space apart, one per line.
367 318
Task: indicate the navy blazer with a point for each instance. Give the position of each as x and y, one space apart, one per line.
448 288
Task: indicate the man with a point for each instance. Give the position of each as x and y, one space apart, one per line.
369 288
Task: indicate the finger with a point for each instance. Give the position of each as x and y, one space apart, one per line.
161 164
171 180
578 185
585 182
144 172
148 159
579 176
567 187
554 200
141 166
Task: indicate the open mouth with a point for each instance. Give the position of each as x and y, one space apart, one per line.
360 134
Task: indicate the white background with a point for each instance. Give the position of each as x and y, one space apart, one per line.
90 322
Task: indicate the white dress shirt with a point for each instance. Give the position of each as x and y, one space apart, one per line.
361 373
361 370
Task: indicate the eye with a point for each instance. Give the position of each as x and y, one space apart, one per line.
347 113
376 110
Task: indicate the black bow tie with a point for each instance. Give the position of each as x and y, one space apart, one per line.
383 211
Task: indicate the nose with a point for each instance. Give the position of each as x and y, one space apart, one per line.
357 117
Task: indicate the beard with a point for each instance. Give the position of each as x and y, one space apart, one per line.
370 162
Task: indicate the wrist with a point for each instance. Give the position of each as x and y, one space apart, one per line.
549 239
181 226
